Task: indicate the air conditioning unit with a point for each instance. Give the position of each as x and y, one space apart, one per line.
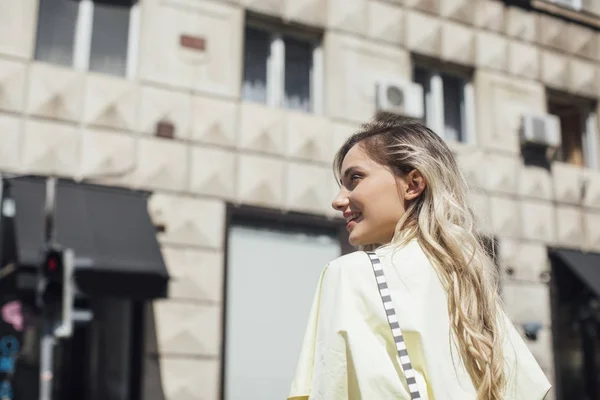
400 97
573 4
542 130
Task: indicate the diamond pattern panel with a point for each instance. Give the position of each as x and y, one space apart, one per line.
307 187
165 105
501 173
161 164
458 43
195 274
491 50
180 378
505 217
554 69
582 41
583 77
107 154
187 329
10 134
470 164
310 12
551 32
568 180
527 302
13 76
348 15
212 172
110 102
213 121
188 221
308 137
458 10
569 227
269 7
523 261
592 228
592 192
523 59
430 6
423 34
490 15
260 181
50 148
386 22
538 221
340 133
262 128
55 92
521 24
17 27
353 66
535 182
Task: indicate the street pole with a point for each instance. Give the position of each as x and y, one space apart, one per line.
47 341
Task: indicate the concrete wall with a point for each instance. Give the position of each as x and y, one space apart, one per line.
55 120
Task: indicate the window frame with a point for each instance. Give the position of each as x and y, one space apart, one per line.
275 91
82 40
434 105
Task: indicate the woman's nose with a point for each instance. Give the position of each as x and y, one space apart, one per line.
340 202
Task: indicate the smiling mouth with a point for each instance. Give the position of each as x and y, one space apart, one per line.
353 217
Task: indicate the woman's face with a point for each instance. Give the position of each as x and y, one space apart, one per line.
371 199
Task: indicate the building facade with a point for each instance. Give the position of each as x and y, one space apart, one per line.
229 112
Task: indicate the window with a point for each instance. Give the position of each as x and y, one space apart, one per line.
579 131
95 35
448 104
272 273
282 69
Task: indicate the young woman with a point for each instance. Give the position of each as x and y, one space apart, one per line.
404 197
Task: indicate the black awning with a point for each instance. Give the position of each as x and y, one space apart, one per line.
116 250
586 266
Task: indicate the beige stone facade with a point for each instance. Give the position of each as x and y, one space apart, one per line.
57 120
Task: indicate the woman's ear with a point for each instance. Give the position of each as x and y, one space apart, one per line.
415 185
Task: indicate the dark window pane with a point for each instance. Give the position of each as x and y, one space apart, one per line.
257 50
453 108
56 31
423 78
298 66
110 37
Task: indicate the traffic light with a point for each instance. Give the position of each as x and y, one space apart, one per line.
55 289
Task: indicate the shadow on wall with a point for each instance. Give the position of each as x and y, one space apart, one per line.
152 388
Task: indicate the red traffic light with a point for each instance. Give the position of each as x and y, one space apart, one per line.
52 264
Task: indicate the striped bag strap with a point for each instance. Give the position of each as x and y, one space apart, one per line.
386 298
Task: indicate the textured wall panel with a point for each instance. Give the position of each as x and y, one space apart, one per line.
523 261
592 191
216 69
195 274
260 181
386 22
13 75
582 41
165 105
501 173
214 121
480 204
111 102
489 14
538 221
268 7
107 154
180 378
535 182
186 328
307 187
188 221
18 20
310 12
491 50
262 128
423 33
527 302
550 32
592 229
506 221
55 92
458 43
430 6
348 15
10 139
308 137
212 172
523 59
353 66
569 227
50 148
583 77
568 180
161 164
458 10
555 69
470 164
501 103
521 24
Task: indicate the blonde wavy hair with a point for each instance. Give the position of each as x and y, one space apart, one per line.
442 222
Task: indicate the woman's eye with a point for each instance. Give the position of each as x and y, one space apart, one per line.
354 178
